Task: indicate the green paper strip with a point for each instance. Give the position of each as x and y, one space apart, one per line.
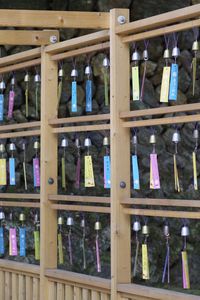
63 173
105 77
26 98
37 244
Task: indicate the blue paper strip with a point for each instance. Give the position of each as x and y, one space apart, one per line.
12 170
173 88
22 241
135 169
88 95
107 172
74 97
1 106
2 246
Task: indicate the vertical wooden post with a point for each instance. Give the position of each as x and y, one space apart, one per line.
120 156
48 251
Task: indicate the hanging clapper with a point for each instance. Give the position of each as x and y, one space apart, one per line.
164 92
74 75
88 88
106 144
24 166
166 269
12 177
2 89
106 65
60 82
185 267
78 163
135 167
89 173
22 235
145 56
135 75
60 242
97 228
70 223
64 145
145 257
12 238
2 241
37 88
173 88
83 226
194 158
136 229
154 171
26 80
36 165
176 138
11 99
195 49
37 237
3 176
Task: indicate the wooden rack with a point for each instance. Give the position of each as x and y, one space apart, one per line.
22 281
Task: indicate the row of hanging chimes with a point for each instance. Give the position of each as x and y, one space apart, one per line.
70 224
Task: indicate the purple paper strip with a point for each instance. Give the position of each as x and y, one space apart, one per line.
11 104
184 275
13 241
36 172
98 256
155 171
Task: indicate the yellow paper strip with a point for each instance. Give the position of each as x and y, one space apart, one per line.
89 174
135 83
195 170
164 92
176 177
186 269
60 249
145 262
3 180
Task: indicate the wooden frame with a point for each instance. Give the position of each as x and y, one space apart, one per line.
54 283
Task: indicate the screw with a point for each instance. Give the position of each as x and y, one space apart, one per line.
50 180
121 20
53 39
122 185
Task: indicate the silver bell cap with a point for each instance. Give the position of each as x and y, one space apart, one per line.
2 148
145 229
106 62
87 142
70 221
74 73
97 226
195 46
61 73
175 52
77 143
88 70
136 226
135 56
167 53
185 231
37 78
24 146
152 139
83 223
166 230
2 215
26 77
13 81
145 54
2 85
134 139
12 147
36 145
64 143
176 138
196 133
106 141
36 218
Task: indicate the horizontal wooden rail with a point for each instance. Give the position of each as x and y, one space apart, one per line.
161 202
164 19
19 196
20 57
84 199
19 134
19 126
162 213
160 110
82 128
19 204
79 42
20 66
162 121
20 268
92 118
77 52
161 31
136 291
99 209
77 279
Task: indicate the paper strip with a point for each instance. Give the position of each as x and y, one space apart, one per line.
98 255
154 172
194 170
185 270
37 244
78 172
36 172
1 106
12 242
22 241
135 170
88 96
173 89
164 92
11 104
107 172
60 249
63 173
89 174
74 97
135 83
3 179
145 262
12 170
105 78
2 245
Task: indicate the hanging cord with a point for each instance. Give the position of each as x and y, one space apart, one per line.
145 57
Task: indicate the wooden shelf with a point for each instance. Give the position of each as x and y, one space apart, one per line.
19 267
79 119
161 202
19 196
82 128
84 199
82 208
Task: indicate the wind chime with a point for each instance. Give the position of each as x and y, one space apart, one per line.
22 235
24 166
135 167
166 269
106 158
36 165
195 49
60 241
12 179
37 90
97 228
135 75
12 238
89 173
26 80
194 158
145 58
88 88
37 237
3 177
60 82
184 258
70 223
106 65
64 145
74 75
83 226
154 171
145 257
11 98
2 242
2 89
78 163
176 138
136 229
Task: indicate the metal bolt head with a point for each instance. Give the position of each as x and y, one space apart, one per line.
50 181
121 20
122 185
53 39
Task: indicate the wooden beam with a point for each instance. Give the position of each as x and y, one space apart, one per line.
79 119
7 135
161 202
84 199
19 204
82 128
20 57
20 66
19 267
94 209
19 196
171 17
20 126
27 37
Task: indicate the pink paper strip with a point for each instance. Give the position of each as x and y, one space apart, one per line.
98 256
11 104
155 171
36 172
184 275
13 241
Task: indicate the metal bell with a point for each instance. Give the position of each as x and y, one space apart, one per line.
2 85
175 52
87 142
74 73
36 218
12 147
145 54
2 148
135 56
36 145
195 46
60 221
70 221
60 73
2 215
176 138
77 142
145 230
106 141
10 216
196 133
152 139
24 146
22 217
83 223
88 70
26 78
37 78
136 226
166 230
106 62
167 54
97 225
134 139
185 231
64 143
13 81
